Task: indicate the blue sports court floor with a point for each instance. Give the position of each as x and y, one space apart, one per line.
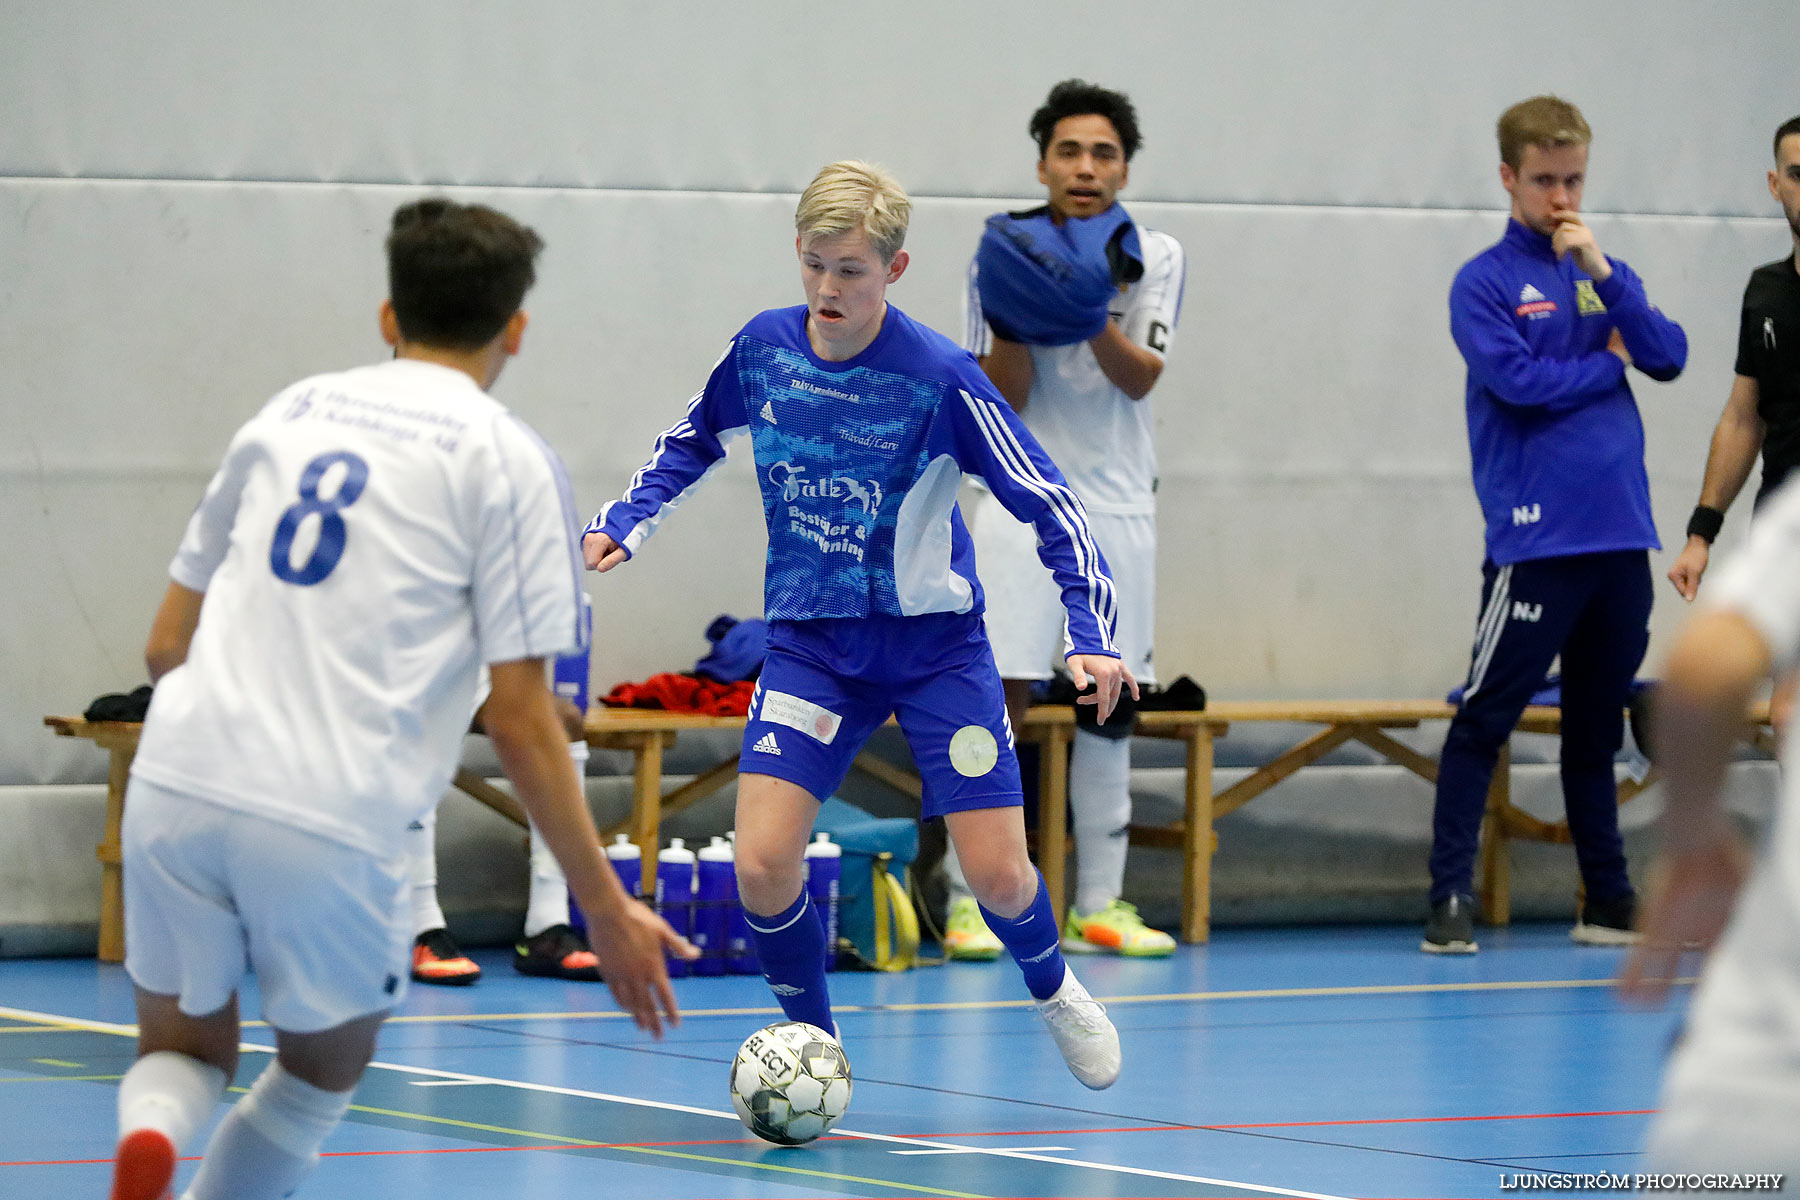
1308 1062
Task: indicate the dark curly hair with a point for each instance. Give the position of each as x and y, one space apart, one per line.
1789 128
1078 98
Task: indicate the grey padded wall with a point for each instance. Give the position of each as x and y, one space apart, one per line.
192 198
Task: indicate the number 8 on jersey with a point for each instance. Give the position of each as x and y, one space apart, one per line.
332 530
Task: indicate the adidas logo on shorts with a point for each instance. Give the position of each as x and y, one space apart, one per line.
767 745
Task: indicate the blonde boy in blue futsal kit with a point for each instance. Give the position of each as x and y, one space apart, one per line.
864 424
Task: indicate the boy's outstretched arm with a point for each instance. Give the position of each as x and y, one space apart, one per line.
684 455
627 938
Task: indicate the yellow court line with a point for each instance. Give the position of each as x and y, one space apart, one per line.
39 1029
57 1062
64 1079
656 1151
1395 989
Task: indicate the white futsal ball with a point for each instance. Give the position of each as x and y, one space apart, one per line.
790 1083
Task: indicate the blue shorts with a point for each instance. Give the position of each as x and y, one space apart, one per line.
828 684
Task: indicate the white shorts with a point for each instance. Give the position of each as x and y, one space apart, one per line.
1025 614
210 892
1731 1094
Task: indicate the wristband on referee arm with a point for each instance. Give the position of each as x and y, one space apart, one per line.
1705 523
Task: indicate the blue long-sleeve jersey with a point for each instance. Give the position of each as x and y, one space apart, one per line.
859 464
1555 438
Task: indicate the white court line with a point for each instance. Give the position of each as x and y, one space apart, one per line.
448 1083
978 1149
665 1106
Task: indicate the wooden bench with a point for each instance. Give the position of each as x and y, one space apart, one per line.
120 740
1365 722
647 733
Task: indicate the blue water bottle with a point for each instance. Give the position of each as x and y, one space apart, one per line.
675 896
740 947
824 871
628 862
713 899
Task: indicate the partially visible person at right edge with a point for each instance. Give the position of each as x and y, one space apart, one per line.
1549 326
1731 1093
1762 413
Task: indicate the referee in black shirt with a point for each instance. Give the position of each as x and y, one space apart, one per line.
1762 414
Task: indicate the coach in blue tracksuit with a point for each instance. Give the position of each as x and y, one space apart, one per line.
1548 326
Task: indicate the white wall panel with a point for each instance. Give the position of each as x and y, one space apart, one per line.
192 198
1319 534
1283 101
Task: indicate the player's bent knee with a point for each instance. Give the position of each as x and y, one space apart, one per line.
1005 887
295 1115
767 885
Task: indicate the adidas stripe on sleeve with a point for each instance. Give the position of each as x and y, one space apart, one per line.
994 444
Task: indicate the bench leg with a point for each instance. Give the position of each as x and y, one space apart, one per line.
112 872
1494 863
1197 839
646 804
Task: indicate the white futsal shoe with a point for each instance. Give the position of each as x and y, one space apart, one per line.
1083 1032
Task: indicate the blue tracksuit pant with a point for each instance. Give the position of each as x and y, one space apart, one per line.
1593 610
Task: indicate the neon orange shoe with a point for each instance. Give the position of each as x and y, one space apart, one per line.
438 959
1115 929
143 1166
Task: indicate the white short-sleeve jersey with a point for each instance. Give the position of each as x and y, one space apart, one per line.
371 539
1762 584
1103 440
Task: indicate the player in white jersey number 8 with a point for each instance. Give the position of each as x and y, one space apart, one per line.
373 536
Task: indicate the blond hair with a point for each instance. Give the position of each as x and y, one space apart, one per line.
1542 121
850 195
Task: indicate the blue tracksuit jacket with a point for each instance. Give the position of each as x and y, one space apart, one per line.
1555 438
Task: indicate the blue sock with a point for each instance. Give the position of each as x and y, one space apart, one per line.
1032 939
791 947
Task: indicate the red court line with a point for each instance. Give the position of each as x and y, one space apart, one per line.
87 1162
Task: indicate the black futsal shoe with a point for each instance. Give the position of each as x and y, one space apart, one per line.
1451 929
1607 922
558 952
